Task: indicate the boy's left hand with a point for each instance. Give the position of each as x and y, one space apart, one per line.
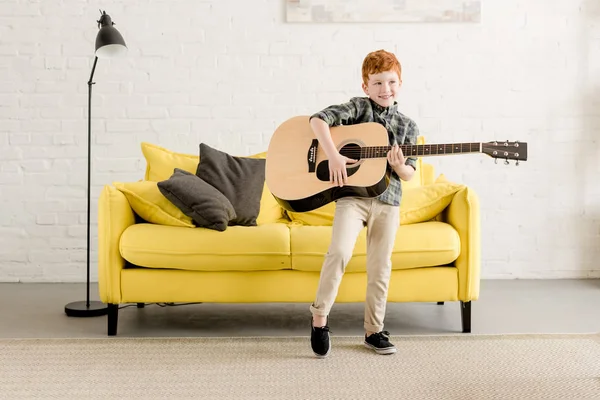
395 157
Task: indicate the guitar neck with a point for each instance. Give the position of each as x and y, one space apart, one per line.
422 150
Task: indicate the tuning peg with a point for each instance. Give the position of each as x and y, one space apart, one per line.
517 163
506 162
495 161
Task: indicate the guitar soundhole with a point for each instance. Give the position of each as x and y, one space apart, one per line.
352 151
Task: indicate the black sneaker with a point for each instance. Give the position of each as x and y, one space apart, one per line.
380 342
319 340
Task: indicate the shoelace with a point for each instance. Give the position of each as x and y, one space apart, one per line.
385 335
321 331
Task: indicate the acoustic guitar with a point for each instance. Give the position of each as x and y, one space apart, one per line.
297 173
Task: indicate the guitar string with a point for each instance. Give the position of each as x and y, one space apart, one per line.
427 151
359 155
421 151
426 146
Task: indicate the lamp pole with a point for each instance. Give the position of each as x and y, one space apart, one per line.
109 43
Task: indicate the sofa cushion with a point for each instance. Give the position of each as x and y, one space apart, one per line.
239 248
160 163
418 204
240 179
270 210
150 204
418 177
208 207
424 203
418 245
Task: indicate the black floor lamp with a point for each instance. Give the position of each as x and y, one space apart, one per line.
109 44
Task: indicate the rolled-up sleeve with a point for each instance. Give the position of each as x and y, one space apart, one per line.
412 133
338 114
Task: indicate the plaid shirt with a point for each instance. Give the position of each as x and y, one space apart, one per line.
400 128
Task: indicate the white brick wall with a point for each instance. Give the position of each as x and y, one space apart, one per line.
228 72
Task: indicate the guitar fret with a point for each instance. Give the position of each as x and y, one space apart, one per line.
417 150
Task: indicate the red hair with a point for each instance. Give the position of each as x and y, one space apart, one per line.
380 61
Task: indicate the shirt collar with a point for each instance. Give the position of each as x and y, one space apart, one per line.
379 109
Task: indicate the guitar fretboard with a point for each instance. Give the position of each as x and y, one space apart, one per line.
422 150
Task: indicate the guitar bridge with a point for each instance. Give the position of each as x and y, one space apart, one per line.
311 157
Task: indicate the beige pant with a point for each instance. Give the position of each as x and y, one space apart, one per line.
351 216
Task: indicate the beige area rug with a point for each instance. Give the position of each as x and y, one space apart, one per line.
461 367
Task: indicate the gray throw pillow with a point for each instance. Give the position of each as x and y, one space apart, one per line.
208 207
240 179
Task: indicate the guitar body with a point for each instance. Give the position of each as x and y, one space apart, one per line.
297 169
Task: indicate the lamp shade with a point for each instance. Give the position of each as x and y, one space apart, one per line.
109 42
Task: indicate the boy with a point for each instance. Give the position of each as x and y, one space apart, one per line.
381 74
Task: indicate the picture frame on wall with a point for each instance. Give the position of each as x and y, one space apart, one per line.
436 11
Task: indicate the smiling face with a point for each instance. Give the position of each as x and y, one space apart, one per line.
382 87
381 77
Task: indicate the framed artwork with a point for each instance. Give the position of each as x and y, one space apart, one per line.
458 11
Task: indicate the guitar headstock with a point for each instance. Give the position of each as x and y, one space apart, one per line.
506 151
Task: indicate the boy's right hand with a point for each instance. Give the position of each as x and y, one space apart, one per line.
337 169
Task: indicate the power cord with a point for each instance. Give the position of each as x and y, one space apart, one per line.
158 304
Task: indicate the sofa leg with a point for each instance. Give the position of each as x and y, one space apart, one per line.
440 303
113 317
465 315
141 305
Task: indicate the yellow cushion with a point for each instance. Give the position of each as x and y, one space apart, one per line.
322 216
238 248
270 210
417 179
427 174
148 202
426 202
416 245
160 163
418 204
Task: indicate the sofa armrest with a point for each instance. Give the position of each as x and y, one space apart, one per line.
463 215
114 216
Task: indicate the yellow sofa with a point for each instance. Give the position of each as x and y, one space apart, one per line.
436 257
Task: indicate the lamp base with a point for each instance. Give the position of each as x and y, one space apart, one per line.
82 309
